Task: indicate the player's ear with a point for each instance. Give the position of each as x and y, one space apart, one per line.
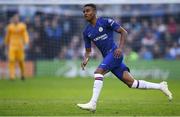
94 10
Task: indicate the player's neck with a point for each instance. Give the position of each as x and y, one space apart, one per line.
15 23
93 21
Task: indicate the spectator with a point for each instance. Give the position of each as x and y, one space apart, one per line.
149 40
2 53
172 27
145 54
53 33
53 29
131 55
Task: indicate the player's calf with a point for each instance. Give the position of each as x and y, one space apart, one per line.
141 84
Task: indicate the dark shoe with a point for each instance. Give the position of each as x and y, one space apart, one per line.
12 79
22 78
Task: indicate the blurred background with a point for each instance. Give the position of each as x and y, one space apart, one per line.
56 45
55 82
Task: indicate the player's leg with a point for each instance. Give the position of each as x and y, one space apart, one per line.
123 74
142 84
98 84
12 62
21 63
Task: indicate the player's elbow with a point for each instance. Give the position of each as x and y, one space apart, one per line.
124 32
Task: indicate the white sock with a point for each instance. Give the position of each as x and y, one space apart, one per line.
98 84
141 84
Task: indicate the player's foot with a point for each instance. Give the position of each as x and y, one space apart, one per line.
88 106
22 78
12 78
165 90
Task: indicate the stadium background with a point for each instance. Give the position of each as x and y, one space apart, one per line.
56 35
56 46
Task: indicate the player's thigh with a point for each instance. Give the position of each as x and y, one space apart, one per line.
20 55
110 62
104 66
118 71
12 55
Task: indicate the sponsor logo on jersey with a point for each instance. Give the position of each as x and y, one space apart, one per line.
101 37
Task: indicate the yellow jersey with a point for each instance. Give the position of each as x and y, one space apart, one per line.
16 36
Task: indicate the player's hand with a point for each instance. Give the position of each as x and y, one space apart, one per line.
118 53
84 63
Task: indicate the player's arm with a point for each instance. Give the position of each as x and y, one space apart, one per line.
87 53
123 37
113 25
86 58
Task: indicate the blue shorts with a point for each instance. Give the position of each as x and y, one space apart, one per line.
115 65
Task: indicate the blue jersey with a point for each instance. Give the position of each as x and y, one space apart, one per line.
101 35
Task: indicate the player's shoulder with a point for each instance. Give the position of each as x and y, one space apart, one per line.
105 19
99 19
22 24
110 21
9 25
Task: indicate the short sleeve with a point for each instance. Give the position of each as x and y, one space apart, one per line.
87 41
111 23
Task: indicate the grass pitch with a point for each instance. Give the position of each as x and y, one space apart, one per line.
59 96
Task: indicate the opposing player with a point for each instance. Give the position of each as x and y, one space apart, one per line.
100 32
15 40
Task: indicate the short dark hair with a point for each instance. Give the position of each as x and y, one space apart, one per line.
91 5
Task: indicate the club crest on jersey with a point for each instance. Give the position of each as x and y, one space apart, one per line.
100 29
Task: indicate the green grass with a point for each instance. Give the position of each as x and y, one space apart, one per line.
58 96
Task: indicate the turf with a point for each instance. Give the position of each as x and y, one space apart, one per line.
59 96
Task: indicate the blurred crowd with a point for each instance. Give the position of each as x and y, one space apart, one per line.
56 35
153 38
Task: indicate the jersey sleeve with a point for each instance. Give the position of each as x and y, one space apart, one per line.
87 41
112 24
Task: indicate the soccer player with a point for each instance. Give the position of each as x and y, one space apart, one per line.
100 32
15 39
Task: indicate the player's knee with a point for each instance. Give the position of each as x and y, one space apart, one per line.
21 61
99 71
11 61
98 76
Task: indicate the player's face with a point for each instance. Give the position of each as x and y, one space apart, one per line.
89 13
16 19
